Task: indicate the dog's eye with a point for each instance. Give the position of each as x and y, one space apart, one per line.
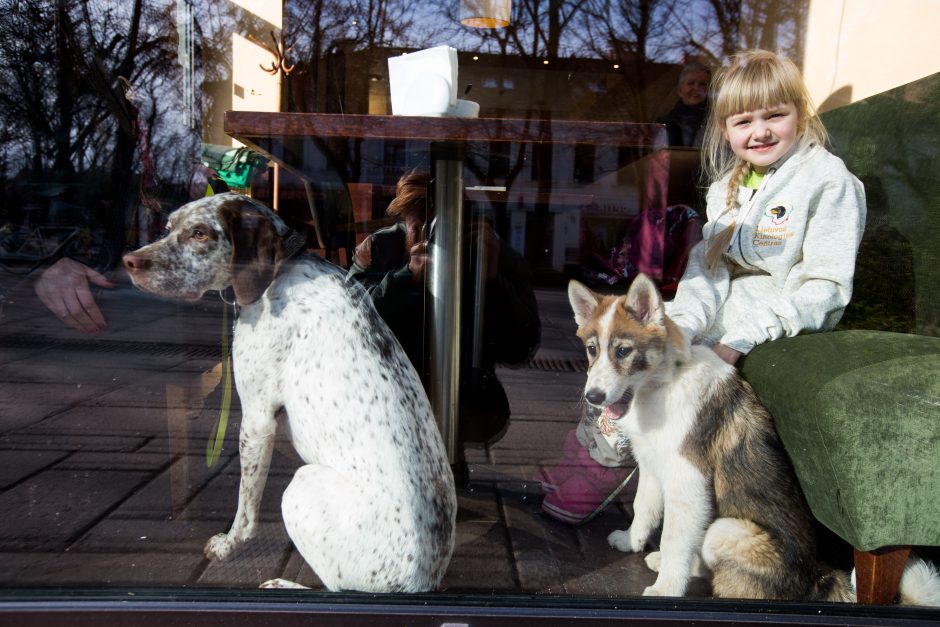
592 350
199 235
623 351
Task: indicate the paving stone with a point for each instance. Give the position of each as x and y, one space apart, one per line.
481 560
169 493
109 461
480 575
71 442
16 465
146 535
150 393
68 569
298 571
258 560
143 422
26 404
53 507
219 498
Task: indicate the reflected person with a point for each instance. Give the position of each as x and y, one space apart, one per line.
685 122
393 264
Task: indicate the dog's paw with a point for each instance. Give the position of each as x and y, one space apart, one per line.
667 588
624 541
667 585
654 591
628 541
654 560
282 584
219 547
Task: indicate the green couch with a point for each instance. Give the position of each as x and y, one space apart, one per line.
858 409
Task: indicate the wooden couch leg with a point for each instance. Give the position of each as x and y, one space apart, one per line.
878 573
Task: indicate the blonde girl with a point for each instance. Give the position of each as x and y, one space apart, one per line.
785 216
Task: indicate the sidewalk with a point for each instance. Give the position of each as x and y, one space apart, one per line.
104 480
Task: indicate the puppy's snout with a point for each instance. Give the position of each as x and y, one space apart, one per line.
136 262
595 396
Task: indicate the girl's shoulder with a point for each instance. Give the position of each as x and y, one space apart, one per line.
826 166
816 155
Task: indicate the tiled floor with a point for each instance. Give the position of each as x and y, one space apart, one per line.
104 479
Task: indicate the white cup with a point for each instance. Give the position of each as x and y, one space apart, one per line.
464 109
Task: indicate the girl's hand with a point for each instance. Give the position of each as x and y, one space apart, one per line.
729 355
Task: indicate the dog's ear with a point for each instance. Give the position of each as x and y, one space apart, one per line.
644 301
257 248
583 302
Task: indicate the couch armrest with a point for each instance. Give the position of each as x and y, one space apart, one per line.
859 415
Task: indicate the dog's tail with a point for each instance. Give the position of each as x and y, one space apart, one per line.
920 585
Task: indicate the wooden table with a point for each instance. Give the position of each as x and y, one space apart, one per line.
327 148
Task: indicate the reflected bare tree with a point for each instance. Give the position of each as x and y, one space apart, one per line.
716 29
633 35
324 32
70 66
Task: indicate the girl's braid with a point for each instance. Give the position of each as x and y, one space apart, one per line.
721 240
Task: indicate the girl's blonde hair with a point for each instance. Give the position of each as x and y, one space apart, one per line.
753 79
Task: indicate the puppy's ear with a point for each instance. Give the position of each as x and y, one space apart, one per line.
256 248
644 301
583 302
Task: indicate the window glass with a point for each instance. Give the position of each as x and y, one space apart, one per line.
365 360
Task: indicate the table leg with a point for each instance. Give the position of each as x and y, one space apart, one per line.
446 286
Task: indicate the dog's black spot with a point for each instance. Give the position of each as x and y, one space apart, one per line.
639 362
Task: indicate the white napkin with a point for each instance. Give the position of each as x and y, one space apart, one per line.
424 82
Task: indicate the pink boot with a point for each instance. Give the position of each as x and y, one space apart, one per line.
587 492
551 478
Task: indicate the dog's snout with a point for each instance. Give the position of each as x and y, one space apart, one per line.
135 262
595 396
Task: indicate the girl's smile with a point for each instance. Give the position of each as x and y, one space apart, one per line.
762 136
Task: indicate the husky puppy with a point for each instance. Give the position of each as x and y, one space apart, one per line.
713 471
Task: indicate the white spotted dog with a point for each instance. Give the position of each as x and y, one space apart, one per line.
713 472
374 507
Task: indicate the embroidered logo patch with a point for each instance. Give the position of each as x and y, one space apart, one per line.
772 230
778 213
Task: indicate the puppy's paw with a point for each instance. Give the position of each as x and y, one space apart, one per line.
655 591
664 589
620 540
653 561
219 547
282 584
624 541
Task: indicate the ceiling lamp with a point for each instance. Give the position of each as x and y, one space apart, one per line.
485 13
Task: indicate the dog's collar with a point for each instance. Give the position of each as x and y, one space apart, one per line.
294 244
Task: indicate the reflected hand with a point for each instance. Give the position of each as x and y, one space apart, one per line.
64 289
729 355
419 262
363 253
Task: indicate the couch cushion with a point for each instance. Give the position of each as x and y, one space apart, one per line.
859 415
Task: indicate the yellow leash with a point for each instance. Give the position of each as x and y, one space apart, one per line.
214 445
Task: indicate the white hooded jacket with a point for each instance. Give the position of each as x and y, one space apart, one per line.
793 254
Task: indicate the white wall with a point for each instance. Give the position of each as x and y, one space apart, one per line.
857 48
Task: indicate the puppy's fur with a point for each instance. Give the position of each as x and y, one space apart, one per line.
374 507
713 472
